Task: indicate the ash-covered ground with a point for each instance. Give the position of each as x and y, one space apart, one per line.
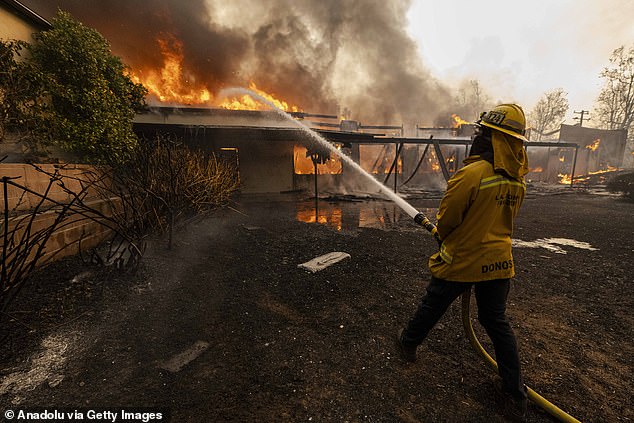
270 342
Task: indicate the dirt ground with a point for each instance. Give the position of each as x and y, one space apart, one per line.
279 344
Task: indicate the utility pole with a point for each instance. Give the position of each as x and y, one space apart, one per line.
582 113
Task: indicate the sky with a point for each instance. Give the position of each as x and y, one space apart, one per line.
519 50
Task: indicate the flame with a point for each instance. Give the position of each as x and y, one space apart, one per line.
304 165
562 159
458 121
594 145
246 102
171 83
538 169
434 163
609 169
399 167
564 179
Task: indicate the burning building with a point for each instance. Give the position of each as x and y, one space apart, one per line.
312 55
600 149
300 57
587 153
273 153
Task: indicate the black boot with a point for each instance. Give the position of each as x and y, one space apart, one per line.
407 352
514 408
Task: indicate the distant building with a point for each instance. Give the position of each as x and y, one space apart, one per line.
18 22
598 148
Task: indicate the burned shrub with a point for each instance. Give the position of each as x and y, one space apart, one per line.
173 182
163 183
623 183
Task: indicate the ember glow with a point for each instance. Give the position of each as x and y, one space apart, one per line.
538 169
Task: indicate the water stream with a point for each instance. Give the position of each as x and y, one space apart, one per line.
407 208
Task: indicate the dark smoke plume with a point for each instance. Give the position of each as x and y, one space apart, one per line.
322 55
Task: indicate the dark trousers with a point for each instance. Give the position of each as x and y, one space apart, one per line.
491 298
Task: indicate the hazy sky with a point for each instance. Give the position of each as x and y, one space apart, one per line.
521 49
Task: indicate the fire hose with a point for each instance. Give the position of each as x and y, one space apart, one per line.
542 402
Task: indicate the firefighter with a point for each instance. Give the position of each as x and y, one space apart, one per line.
475 224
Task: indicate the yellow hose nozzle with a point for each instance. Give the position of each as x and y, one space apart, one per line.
422 220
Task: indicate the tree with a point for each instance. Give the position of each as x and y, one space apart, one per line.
19 91
84 100
615 104
469 102
549 112
472 100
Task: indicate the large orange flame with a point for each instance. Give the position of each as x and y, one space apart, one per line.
173 84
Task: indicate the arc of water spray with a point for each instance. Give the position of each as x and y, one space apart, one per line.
418 217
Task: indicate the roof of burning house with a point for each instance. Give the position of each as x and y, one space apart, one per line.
249 133
267 125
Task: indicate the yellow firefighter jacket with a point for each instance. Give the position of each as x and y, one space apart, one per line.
475 219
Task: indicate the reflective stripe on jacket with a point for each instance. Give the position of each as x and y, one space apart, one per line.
475 222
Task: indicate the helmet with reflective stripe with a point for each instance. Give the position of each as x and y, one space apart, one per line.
507 118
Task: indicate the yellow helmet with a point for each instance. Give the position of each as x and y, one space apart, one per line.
507 118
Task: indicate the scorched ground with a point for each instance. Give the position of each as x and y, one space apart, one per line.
286 345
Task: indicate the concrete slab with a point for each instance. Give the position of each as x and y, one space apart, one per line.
321 262
182 359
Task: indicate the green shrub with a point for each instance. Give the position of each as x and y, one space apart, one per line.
69 91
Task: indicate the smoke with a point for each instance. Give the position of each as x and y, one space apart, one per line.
322 55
